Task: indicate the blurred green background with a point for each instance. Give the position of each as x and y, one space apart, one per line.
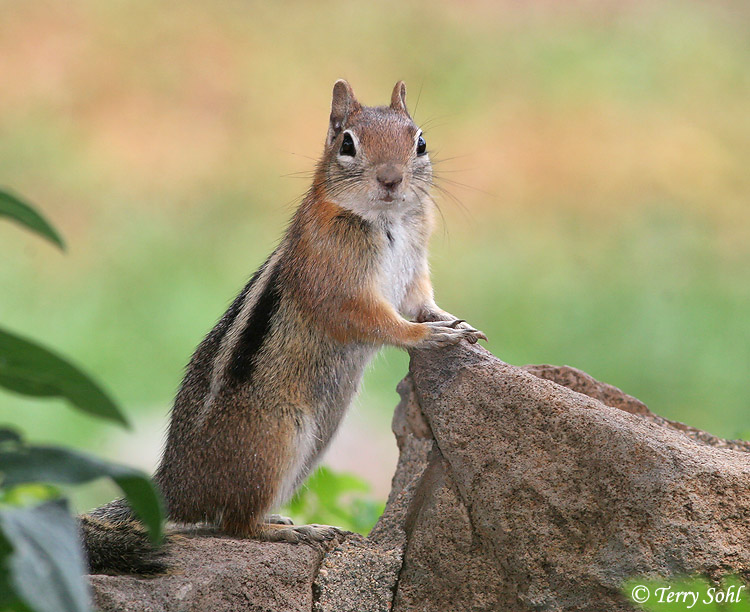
597 154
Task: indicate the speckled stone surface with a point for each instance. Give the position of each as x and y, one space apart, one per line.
535 488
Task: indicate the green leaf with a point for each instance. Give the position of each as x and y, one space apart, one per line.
46 566
63 466
7 597
23 213
364 513
30 494
30 369
9 435
335 498
329 485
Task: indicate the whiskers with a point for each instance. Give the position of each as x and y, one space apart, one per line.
422 192
436 181
350 182
307 175
425 183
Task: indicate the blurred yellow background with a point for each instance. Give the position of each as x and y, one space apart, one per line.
597 154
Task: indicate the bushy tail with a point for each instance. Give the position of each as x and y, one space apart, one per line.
117 543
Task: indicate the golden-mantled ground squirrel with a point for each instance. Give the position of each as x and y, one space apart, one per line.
265 391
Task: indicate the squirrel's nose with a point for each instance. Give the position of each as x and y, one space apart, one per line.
389 176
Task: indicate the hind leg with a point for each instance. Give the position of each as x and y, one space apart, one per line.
281 529
254 476
270 480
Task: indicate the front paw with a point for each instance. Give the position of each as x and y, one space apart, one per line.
462 324
440 316
446 333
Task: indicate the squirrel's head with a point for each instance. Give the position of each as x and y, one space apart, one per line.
375 159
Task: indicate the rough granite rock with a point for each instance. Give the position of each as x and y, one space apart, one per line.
218 575
535 488
612 396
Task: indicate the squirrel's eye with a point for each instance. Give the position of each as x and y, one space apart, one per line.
347 146
421 146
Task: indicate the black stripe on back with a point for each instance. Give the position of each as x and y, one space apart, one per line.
242 361
198 371
221 328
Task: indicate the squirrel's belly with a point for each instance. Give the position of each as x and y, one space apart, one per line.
333 387
337 382
313 372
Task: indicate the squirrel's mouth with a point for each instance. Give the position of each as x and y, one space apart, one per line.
387 198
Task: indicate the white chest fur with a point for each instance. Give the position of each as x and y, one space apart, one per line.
401 259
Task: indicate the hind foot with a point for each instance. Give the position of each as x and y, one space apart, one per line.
300 534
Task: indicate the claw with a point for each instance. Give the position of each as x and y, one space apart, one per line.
456 323
277 519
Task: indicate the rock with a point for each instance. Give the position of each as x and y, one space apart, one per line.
357 576
218 574
562 497
535 488
583 383
612 396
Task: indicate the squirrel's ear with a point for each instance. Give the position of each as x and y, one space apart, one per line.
398 98
343 104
